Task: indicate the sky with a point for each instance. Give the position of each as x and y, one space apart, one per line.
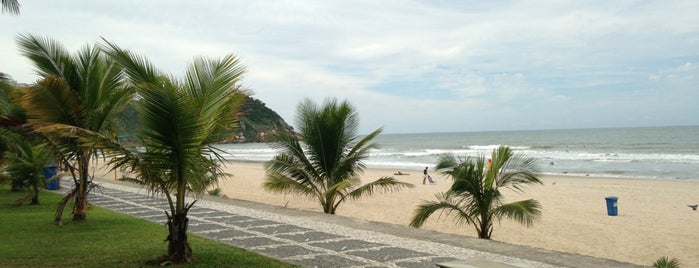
412 66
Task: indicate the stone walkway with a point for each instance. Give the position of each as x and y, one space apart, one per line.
314 239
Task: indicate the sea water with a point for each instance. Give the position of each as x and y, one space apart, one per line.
644 152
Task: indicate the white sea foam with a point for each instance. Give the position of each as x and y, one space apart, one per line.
624 152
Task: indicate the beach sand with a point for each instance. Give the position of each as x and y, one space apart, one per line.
653 217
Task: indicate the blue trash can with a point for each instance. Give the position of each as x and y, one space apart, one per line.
611 205
49 172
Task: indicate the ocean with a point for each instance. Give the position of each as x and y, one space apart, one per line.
642 152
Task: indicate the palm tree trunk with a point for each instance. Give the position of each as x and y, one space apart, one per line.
80 207
178 246
484 233
35 195
486 226
328 208
16 186
179 250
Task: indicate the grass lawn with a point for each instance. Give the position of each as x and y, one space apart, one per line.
28 238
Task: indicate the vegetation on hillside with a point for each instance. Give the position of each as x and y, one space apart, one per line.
258 123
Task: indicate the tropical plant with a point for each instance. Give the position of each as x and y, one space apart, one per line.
11 117
665 262
83 90
24 162
180 120
11 114
327 164
475 198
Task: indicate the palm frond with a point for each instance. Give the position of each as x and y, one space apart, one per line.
48 56
289 167
446 164
138 69
287 185
382 185
10 6
343 187
446 205
11 113
519 170
51 100
525 212
665 262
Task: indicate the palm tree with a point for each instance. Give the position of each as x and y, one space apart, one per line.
665 262
24 161
83 90
475 196
328 162
12 116
180 120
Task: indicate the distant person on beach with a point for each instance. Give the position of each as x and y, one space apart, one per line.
427 177
424 177
400 173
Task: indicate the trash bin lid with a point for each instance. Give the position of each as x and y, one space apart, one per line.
611 197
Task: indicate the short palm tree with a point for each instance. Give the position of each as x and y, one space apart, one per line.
12 116
82 90
327 164
665 262
180 120
24 162
475 197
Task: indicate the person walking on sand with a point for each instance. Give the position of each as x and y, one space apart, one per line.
424 177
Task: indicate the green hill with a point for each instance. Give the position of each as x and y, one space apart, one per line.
256 123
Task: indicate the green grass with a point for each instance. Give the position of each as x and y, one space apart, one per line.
28 238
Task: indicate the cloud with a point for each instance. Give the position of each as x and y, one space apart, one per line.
413 66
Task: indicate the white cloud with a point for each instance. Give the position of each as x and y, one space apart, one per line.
412 65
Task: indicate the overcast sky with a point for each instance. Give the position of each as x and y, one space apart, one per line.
413 66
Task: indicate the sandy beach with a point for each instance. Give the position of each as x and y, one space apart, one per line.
653 217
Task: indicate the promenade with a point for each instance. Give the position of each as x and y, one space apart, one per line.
313 239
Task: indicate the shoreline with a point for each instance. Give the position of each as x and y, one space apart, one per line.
543 174
653 217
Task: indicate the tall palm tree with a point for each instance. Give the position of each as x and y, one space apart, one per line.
328 162
82 90
180 120
475 197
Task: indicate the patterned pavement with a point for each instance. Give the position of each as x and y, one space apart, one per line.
314 240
